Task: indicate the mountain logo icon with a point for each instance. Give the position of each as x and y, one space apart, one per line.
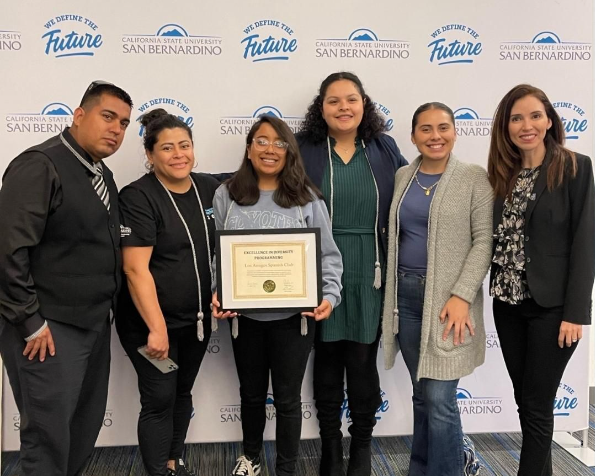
56 109
465 114
363 34
267 111
463 394
546 37
172 30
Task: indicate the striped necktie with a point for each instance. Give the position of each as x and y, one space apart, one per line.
101 187
97 180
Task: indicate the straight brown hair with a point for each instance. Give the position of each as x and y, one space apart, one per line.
294 186
504 158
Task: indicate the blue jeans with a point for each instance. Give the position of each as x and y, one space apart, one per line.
437 448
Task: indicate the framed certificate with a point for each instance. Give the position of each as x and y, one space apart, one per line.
272 270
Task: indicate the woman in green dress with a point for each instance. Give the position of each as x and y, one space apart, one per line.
353 162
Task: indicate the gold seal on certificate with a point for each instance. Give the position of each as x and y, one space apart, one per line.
269 286
269 270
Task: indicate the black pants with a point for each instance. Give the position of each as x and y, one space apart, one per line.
529 340
61 400
332 361
278 347
166 399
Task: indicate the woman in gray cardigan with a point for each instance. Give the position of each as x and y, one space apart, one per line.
440 238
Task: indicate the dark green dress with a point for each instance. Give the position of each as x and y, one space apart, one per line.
354 215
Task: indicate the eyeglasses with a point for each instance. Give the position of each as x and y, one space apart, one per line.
263 144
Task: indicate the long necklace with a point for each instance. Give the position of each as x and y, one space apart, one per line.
200 333
428 190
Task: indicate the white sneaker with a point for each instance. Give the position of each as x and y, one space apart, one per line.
246 466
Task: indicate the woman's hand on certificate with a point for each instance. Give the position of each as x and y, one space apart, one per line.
456 310
217 313
321 312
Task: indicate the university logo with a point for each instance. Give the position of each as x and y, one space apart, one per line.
545 46
71 35
470 405
454 43
268 40
240 125
173 106
232 413
52 119
492 340
10 40
172 39
271 413
362 43
108 419
383 408
566 400
16 422
469 123
573 118
214 346
385 113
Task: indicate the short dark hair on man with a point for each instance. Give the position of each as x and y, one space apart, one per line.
97 88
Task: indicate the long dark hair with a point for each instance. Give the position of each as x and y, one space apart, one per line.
293 185
315 126
504 158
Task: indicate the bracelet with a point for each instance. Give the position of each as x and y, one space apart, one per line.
36 333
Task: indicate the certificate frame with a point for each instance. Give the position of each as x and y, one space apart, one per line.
269 270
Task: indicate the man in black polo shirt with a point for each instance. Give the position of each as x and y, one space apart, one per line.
59 275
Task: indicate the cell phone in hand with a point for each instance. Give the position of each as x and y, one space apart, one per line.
164 366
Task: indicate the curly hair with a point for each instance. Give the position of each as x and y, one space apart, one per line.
315 127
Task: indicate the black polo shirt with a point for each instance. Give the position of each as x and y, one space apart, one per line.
150 219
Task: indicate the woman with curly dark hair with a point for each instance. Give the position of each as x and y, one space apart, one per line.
353 163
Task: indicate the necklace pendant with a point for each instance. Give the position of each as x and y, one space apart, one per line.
427 192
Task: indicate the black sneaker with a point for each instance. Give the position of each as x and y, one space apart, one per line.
246 466
180 470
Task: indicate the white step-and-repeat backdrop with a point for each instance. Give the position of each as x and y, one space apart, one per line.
218 65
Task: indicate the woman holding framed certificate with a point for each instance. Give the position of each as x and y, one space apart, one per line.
348 156
167 242
271 190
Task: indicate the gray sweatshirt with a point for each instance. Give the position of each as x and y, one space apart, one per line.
266 214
